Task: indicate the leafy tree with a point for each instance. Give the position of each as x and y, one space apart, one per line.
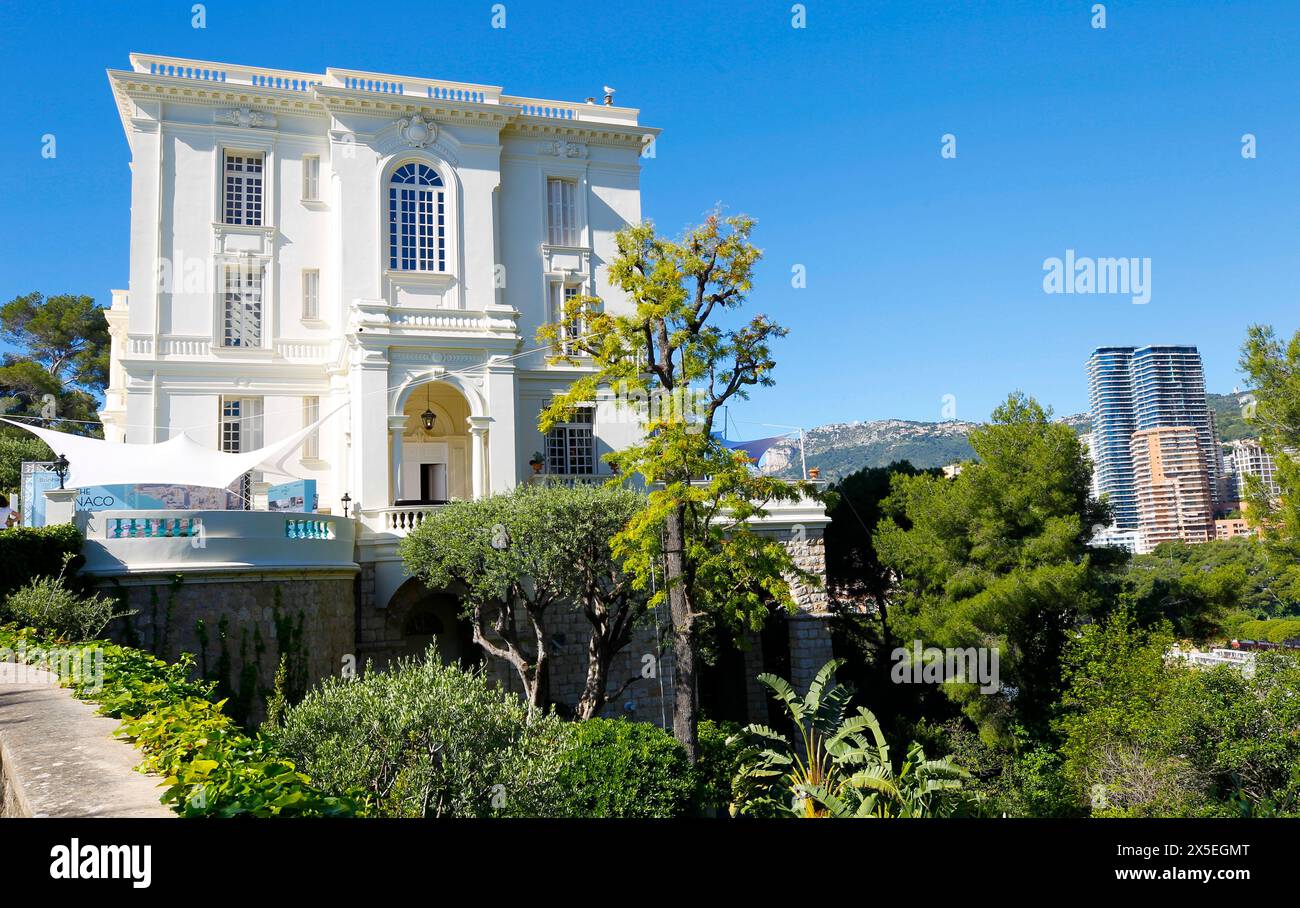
998 557
1116 684
16 448
1196 587
525 553
1144 736
62 359
670 353
860 588
836 770
1274 371
1240 733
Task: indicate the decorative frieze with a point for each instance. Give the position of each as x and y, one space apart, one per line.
246 118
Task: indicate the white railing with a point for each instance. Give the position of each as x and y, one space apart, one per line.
307 350
450 320
402 519
570 479
178 345
205 71
412 86
139 345
569 110
377 83
180 541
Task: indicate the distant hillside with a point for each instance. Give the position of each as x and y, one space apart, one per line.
1227 414
843 448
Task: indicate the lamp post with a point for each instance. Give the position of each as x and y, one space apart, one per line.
61 469
347 500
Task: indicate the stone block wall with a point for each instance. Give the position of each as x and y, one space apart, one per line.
237 626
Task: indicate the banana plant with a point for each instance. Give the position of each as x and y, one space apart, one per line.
840 766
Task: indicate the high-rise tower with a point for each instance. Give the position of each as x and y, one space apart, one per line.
1136 388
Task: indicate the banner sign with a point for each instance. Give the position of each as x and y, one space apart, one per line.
299 496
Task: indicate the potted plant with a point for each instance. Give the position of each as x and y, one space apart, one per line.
536 461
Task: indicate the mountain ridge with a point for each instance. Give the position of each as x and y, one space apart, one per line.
839 449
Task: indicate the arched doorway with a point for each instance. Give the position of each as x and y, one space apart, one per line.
435 620
418 618
431 452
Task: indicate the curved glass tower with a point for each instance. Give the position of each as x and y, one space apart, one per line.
1137 388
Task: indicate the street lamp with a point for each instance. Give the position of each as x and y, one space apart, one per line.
347 500
61 469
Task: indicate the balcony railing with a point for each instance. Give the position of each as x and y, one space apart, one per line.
570 479
378 83
130 542
399 519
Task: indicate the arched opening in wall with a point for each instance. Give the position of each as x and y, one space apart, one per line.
433 463
419 618
435 620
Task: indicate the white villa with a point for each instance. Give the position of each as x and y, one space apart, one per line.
381 248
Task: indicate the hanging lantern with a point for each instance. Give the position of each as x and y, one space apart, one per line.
428 417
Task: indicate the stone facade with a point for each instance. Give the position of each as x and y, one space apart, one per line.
640 683
238 625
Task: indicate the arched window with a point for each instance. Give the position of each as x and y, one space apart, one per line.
417 235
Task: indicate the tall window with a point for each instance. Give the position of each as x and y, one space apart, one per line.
242 315
561 293
570 446
244 188
241 431
311 413
311 293
561 212
417 239
311 178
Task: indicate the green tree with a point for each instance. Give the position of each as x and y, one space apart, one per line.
1144 736
1116 685
1274 371
670 354
860 588
16 448
61 363
525 553
998 557
1198 587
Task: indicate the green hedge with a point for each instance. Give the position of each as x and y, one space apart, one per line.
30 552
210 766
618 768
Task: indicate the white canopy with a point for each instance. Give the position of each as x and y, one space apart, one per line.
178 461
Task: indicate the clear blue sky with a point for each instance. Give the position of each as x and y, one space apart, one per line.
924 274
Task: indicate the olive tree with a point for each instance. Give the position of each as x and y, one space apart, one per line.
520 556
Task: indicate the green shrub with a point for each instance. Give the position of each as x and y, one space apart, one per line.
717 765
30 552
427 739
49 607
210 766
619 768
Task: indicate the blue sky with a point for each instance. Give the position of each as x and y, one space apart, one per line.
924 274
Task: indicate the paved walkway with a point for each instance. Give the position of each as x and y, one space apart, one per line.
59 759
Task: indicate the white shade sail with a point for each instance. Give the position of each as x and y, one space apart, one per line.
178 461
